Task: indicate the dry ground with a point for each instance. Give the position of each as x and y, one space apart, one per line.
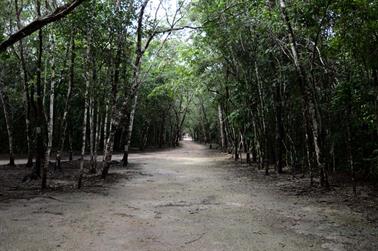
189 198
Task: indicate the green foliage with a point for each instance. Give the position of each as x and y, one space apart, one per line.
241 62
245 58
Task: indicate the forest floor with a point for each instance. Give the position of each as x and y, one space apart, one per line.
189 198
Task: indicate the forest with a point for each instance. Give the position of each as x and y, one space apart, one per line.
188 125
291 86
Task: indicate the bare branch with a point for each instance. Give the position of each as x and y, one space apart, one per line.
179 28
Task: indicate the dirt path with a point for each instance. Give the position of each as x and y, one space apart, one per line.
190 198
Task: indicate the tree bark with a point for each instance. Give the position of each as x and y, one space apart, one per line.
97 137
39 23
86 108
125 158
262 119
162 131
66 109
50 123
8 119
349 143
91 130
279 129
221 127
106 128
41 127
308 109
26 95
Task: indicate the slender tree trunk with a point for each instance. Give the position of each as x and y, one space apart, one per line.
97 136
375 80
44 92
70 141
279 129
114 117
106 128
92 115
86 109
110 142
117 117
26 95
236 144
50 123
253 147
145 136
205 124
8 119
204 132
228 137
41 128
332 153
91 131
308 108
258 157
248 151
262 119
162 131
349 143
125 158
67 103
350 158
221 127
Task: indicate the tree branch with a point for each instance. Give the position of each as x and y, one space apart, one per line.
178 29
37 24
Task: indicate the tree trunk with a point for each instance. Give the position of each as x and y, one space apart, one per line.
39 23
86 109
113 116
41 127
50 123
349 143
221 127
125 158
262 119
92 105
70 141
279 129
26 95
91 131
97 137
64 123
106 128
204 132
205 124
308 109
162 131
8 119
118 116
350 159
144 136
236 144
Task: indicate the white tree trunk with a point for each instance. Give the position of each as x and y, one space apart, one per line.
8 120
86 109
130 130
97 134
91 129
106 127
50 122
67 102
221 127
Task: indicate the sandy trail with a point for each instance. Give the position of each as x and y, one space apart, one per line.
190 198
